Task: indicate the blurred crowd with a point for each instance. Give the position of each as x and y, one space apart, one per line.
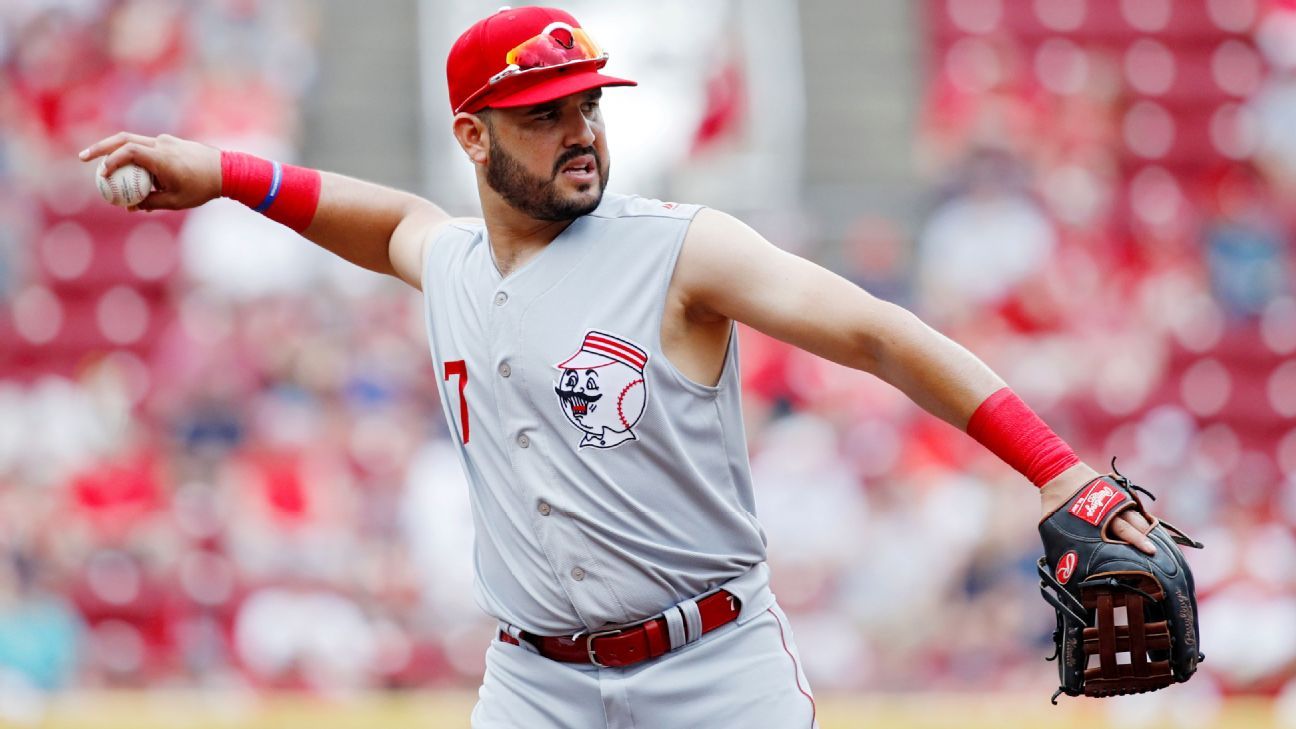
223 463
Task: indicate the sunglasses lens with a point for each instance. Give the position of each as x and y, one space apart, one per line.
559 44
587 44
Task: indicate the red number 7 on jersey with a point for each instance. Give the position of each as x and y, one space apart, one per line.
460 368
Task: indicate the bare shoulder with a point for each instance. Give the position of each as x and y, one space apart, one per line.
717 233
711 228
720 252
716 238
727 269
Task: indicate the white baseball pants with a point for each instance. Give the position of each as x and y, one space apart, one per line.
744 674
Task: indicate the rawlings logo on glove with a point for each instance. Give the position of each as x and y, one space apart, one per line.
1095 501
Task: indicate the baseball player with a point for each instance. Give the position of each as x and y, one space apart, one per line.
588 368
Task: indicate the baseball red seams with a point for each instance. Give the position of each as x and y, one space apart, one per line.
137 181
1096 501
621 400
1066 567
132 181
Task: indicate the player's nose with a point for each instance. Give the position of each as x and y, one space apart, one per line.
580 131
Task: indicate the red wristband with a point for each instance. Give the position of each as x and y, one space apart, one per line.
1011 430
283 193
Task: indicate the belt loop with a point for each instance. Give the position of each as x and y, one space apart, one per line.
518 634
675 627
692 619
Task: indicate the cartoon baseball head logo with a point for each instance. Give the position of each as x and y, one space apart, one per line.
601 389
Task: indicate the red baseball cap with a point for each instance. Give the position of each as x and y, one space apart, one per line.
523 56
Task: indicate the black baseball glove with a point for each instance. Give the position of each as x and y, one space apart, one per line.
1087 575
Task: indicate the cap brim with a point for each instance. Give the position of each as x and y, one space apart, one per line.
556 87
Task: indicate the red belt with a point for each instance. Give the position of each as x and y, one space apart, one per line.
628 646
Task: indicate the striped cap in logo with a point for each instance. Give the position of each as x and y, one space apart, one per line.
600 347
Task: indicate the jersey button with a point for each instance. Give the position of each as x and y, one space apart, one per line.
523 441
578 574
544 509
505 370
501 299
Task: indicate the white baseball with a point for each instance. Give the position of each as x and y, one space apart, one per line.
126 187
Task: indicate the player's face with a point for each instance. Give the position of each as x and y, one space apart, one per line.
579 393
550 161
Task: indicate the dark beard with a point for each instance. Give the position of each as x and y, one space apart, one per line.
535 196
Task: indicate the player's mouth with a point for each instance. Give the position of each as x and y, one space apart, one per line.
580 404
581 170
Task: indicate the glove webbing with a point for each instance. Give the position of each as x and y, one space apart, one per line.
1106 639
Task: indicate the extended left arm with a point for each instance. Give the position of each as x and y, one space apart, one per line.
728 270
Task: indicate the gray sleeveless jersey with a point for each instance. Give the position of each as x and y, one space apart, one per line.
605 485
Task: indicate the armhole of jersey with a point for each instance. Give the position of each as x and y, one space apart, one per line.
687 382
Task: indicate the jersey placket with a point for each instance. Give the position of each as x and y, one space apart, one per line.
519 387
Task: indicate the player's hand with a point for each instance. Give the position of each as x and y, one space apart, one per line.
1129 525
185 174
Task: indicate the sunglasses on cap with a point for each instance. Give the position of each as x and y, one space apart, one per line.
558 44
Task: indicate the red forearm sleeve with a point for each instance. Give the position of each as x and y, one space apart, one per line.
1007 427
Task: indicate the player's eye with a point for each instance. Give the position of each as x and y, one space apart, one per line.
591 384
571 381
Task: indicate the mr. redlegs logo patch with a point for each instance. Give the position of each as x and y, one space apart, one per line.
1096 501
1066 567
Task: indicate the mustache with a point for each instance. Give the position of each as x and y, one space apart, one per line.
573 396
572 154
581 405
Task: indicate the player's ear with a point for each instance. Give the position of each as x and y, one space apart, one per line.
473 134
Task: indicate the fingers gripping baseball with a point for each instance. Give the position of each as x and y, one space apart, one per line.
184 173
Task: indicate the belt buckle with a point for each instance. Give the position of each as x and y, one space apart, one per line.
589 645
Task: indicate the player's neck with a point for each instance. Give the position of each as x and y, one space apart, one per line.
515 237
